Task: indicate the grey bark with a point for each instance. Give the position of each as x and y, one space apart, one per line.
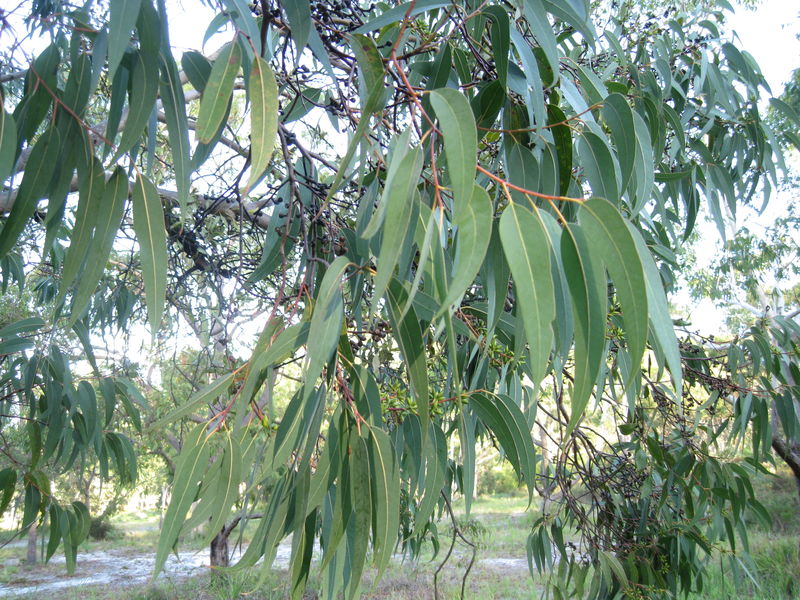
220 557
30 555
790 453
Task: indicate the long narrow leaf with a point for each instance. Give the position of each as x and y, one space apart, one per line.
217 91
108 222
527 249
474 232
263 118
148 223
459 131
189 468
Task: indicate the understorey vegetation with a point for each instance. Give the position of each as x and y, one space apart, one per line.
360 244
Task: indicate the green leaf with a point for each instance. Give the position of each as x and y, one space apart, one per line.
533 79
326 322
599 165
438 74
562 136
109 218
8 482
123 18
8 144
35 185
507 422
149 29
55 531
434 450
302 103
527 249
408 334
361 494
398 200
427 226
610 562
174 103
148 223
14 345
84 522
661 326
474 224
339 506
205 395
397 152
487 104
385 479
245 22
370 62
501 40
302 553
786 110
197 69
217 91
323 476
263 119
575 13
189 468
460 138
144 91
87 400
22 327
227 489
466 435
610 238
36 100
397 13
536 17
119 91
522 168
617 113
32 502
62 182
99 55
130 394
300 23
296 423
288 340
587 284
68 523
644 176
591 85
359 136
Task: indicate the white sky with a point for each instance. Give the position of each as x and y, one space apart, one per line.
769 33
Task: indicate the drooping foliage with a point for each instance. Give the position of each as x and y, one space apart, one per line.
461 217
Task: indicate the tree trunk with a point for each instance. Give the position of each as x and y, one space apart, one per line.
220 557
30 557
790 453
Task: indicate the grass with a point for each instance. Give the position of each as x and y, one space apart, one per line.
775 550
499 525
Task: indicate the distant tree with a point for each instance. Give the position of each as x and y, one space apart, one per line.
461 218
56 424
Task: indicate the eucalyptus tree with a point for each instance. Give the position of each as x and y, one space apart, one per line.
460 217
58 421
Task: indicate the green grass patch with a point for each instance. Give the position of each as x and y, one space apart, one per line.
498 524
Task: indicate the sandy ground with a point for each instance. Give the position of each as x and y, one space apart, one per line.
121 567
116 567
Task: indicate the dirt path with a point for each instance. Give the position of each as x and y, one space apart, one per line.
122 568
115 567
